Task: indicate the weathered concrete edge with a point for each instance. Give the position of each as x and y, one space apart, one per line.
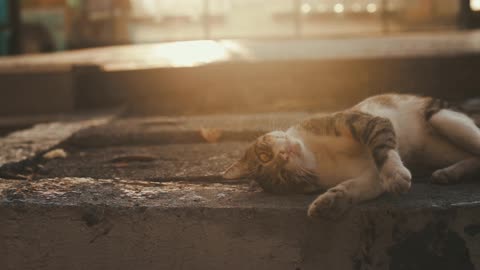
71 191
238 236
165 90
302 82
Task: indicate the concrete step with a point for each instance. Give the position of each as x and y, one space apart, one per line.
242 76
285 85
94 141
149 206
82 223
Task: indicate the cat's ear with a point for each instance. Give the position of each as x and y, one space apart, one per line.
239 169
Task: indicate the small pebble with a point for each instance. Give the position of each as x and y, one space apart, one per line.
221 195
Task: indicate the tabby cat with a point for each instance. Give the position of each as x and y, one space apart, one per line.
362 152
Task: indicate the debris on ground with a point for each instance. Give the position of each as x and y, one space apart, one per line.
192 197
55 153
211 135
221 195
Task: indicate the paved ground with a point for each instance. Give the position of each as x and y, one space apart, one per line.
150 203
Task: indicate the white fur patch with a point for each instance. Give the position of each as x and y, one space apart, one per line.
458 128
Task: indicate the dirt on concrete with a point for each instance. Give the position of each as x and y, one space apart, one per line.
172 162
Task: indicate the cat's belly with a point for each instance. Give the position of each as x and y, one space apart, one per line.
333 172
338 159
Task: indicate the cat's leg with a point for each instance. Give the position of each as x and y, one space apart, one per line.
378 134
456 172
337 200
458 128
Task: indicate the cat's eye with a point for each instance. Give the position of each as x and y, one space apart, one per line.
264 157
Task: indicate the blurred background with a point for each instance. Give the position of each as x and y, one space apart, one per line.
200 57
30 26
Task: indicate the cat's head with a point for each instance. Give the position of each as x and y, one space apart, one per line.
277 162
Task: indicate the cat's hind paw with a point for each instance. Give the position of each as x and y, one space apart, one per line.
443 177
331 205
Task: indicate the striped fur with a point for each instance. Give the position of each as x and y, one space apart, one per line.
375 132
362 151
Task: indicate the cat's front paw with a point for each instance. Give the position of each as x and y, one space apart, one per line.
331 205
397 180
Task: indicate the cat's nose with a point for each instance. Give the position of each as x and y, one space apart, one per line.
293 148
284 155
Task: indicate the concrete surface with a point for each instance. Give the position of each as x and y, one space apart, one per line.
170 129
236 76
8 124
79 223
143 203
25 145
36 93
190 162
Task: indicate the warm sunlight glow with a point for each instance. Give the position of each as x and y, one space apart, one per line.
338 8
192 53
475 5
371 8
306 8
173 54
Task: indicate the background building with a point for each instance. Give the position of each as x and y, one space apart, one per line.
49 25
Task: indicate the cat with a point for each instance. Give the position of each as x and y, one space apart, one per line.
360 153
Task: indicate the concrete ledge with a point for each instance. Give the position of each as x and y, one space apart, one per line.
244 76
286 85
150 206
102 224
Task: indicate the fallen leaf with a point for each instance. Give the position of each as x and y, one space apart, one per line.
211 135
56 153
